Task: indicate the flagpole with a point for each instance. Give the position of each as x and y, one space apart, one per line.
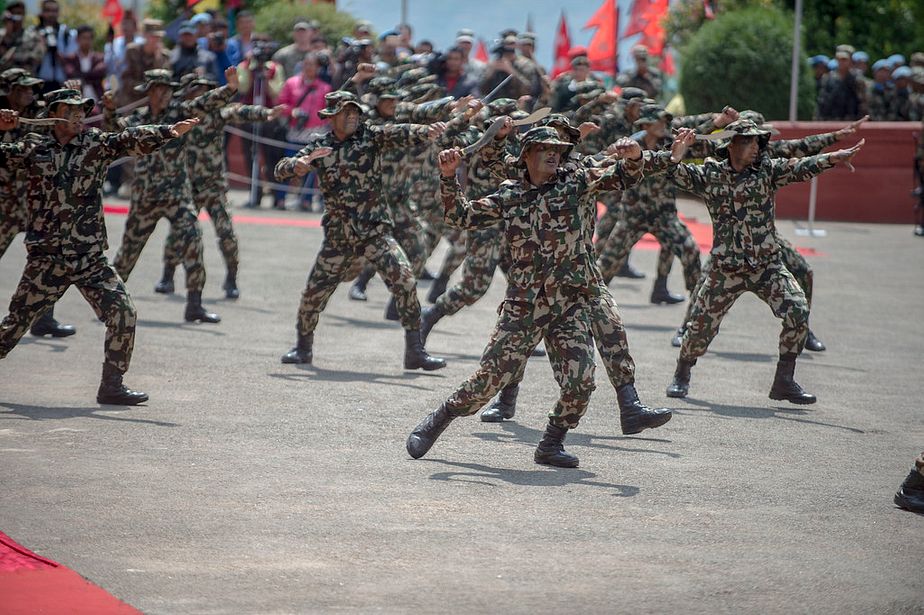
616 40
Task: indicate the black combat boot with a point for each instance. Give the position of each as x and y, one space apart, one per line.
677 340
539 351
230 285
660 294
358 288
681 384
504 405
634 416
47 325
551 449
910 495
628 271
426 276
415 357
391 310
302 353
425 434
112 391
194 310
165 286
784 385
438 288
813 343
429 317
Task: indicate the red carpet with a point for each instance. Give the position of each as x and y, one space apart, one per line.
32 584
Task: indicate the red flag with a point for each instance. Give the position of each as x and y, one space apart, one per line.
667 64
707 9
647 19
481 54
562 46
602 50
112 12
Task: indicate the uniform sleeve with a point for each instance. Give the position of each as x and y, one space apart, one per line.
113 123
588 111
797 148
138 140
787 171
285 168
13 154
619 176
400 135
435 111
464 214
245 113
210 102
688 177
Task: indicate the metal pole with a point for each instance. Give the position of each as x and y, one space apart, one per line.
258 99
403 11
794 72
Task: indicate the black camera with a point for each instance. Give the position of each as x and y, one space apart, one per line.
263 51
50 34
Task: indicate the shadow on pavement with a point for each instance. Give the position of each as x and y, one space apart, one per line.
45 413
371 323
751 357
514 432
186 326
549 477
42 342
310 372
654 328
753 412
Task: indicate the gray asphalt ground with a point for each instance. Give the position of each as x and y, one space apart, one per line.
248 486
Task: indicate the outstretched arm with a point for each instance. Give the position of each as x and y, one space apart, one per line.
301 163
787 171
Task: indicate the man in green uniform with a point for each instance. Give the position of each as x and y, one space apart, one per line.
205 152
18 91
162 187
356 221
551 281
738 191
66 237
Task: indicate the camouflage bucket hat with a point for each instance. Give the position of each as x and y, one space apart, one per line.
66 97
651 114
560 122
336 101
744 128
17 76
587 90
758 118
192 80
382 87
501 106
631 93
158 76
541 135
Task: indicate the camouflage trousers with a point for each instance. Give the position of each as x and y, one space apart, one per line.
483 254
798 267
11 223
455 253
142 220
609 218
565 327
409 234
775 286
46 278
215 202
334 265
670 231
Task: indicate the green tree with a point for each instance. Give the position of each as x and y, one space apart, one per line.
277 18
742 59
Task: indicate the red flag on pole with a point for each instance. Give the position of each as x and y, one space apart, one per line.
602 52
481 54
646 19
562 46
112 12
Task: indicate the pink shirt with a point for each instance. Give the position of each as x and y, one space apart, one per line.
294 88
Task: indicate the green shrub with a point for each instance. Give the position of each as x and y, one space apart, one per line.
277 18
743 59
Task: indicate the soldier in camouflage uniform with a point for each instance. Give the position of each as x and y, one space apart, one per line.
605 321
486 244
18 91
792 260
205 151
842 92
644 77
20 47
162 186
356 220
66 236
738 191
651 207
551 282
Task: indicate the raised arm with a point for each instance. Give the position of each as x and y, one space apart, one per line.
214 99
301 163
402 135
142 140
812 144
459 211
234 114
787 171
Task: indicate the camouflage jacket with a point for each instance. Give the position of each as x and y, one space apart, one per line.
64 184
205 144
12 178
841 98
879 98
163 175
742 205
351 180
544 226
651 83
24 49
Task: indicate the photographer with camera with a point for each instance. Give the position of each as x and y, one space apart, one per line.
19 47
261 81
505 54
218 47
60 42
